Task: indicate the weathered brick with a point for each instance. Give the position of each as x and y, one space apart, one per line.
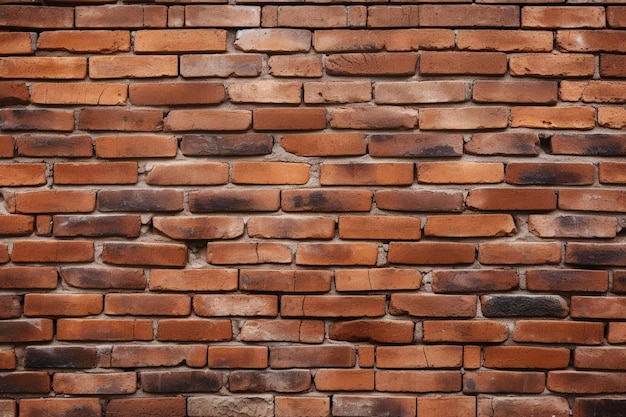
399 40
74 305
16 43
164 93
503 382
248 253
552 65
52 251
338 92
511 406
505 40
307 66
612 65
132 66
181 381
370 117
344 380
419 357
541 199
13 92
274 173
155 406
31 16
463 118
85 41
132 120
523 306
104 329
415 145
136 146
140 200
606 254
160 254
612 117
336 254
591 40
398 173
128 356
94 277
379 227
26 330
377 279
587 407
37 119
324 144
265 92
95 173
97 226
326 200
462 63
333 356
147 304
593 91
375 331
43 67
286 118
431 253
574 117
61 357
235 305
47 145
238 357
558 332
619 281
332 306
470 225
596 307
529 173
198 227
429 305
419 92
393 16
560 17
574 382
370 406
326 16
578 280
285 330
454 406
526 253
310 406
264 381
180 40
572 226
223 66
247 406
193 279
279 40
207 201
462 15
127 16
418 381
488 331
453 281
391 63
222 16
422 200
523 92
186 330
88 407
100 384
291 227
608 358
460 172
28 277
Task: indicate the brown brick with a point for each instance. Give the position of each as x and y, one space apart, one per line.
460 172
612 65
285 118
196 227
612 117
574 382
52 251
488 331
616 16
418 381
40 67
195 173
140 200
522 92
505 40
377 279
379 227
370 406
136 146
13 92
409 200
431 253
95 277
222 16
72 357
74 305
324 144
525 357
462 63
274 173
393 16
549 280
172 94
97 226
309 406
306 66
186 330
46 145
552 65
11 306
85 41
529 173
415 145
550 331
619 281
289 381
180 40
104 329
223 66
591 40
207 201
31 16
95 173
429 305
503 382
374 331
586 407
120 119
326 200
452 281
259 405
16 43
419 357
332 306
592 200
399 40
593 91
226 145
132 66
156 407
512 199
469 15
161 254
336 254
193 279
612 173
291 227
332 356
238 357
616 333
28 277
419 92
608 358
573 226
470 225
147 304
398 173
129 16
457 406
26 330
26 119
101 384
31 407
248 253
511 406
344 380
235 305
284 330
560 17
273 40
372 64
338 92
181 381
326 16
25 382
129 356
22 174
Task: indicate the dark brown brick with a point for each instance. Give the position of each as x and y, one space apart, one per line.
127 253
226 145
72 357
523 306
155 407
13 92
25 382
51 145
140 200
416 145
451 281
31 330
589 144
181 381
326 200
606 407
208 201
97 226
28 277
103 278
270 381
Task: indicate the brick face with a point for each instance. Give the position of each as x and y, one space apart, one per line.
307 208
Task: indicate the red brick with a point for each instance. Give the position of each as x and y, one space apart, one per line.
46 145
379 227
593 91
16 43
525 357
457 406
612 65
13 92
371 64
429 305
338 92
612 173
371 406
611 117
52 251
222 16
22 174
332 356
197 227
616 16
375 331
180 40
302 406
306 66
332 306
120 119
574 382
462 63
104 329
344 380
574 117
431 253
100 384
419 357
326 200
193 280
11 306
342 40
136 146
31 407
526 253
398 173
285 330
85 41
469 15
418 381
95 173
550 280
164 93
147 304
41 67
608 358
336 254
130 356
616 333
131 66
274 173
223 66
156 407
327 16
96 277
369 117
248 253
140 200
264 280
541 199
74 305
25 382
28 277
453 281
592 200
409 200
207 201
291 227
460 172
555 332
238 357
128 16
285 118
597 307
324 144
619 281
518 407
573 226
377 279
26 119
552 65
7 359
26 330
470 225
560 17
393 16
488 331
31 16
273 40
158 254
235 305
505 40
523 92
591 40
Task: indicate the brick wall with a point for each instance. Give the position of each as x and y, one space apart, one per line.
321 209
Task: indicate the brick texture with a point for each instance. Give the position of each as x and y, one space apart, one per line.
267 208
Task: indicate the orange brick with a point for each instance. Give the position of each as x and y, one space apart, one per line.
235 305
574 382
469 15
126 253
13 92
222 16
157 406
572 226
525 357
454 281
612 117
26 119
26 330
523 92
332 306
428 305
16 225
95 173
612 173
554 280
129 356
131 66
238 357
381 117
552 65
326 200
574 117
306 66
147 304
52 251
370 64
72 305
210 119
409 200
208 201
592 200
163 93
377 279
462 63
188 173
463 118
344 380
198 227
231 65
560 17
46 145
136 146
336 254
379 227
519 253
612 65
543 199
338 92
180 40
85 41
270 173
248 253
104 278
285 330
265 92
264 280
370 406
129 16
79 93
418 381
431 253
301 406
120 119
22 174
328 16
342 40
503 143
529 173
278 118
37 406
291 227
465 331
375 331
608 358
460 172
616 16
15 43
593 91
550 331
193 280
505 40
104 329
393 16
591 40
273 40
397 173
470 225
30 16
324 144
418 357
43 67
100 384
186 330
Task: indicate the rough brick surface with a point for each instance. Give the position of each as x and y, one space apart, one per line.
261 208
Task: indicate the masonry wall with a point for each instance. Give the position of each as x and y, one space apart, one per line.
319 209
